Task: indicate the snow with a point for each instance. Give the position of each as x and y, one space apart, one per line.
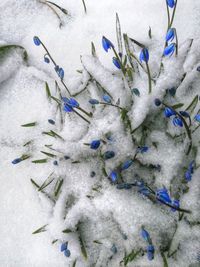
103 213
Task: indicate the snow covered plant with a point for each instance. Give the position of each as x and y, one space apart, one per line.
121 155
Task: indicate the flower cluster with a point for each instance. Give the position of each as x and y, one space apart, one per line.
150 248
64 248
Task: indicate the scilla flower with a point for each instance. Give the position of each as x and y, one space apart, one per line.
16 161
36 40
170 35
190 171
108 155
126 164
157 102
177 121
93 101
145 235
162 194
113 176
170 3
107 98
116 62
169 50
144 55
197 117
169 112
106 44
95 144
150 252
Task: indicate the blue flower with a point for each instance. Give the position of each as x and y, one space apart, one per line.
184 114
176 204
197 117
169 50
135 91
17 160
95 144
107 98
126 164
64 246
145 235
170 35
114 249
142 149
116 62
157 102
171 3
67 108
113 176
46 59
106 44
55 163
190 171
67 253
144 55
93 101
191 166
169 112
150 252
177 122
51 121
72 103
108 155
61 73
36 40
162 194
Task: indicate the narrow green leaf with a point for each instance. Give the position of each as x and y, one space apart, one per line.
150 33
193 104
67 231
31 124
179 105
40 161
28 143
54 241
34 183
93 49
82 245
48 154
74 264
47 182
56 100
58 187
84 5
165 264
119 34
48 92
40 230
97 242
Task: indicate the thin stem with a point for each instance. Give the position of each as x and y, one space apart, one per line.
110 104
84 111
168 16
149 77
176 42
173 14
80 115
84 5
120 62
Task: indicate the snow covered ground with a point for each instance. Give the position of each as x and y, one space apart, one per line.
103 213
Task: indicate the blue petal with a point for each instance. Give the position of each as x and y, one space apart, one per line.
188 175
67 108
144 55
197 117
169 112
145 235
185 114
67 253
171 3
113 176
95 144
170 35
36 40
106 44
126 164
17 160
108 155
177 122
176 205
64 246
61 73
93 101
107 98
73 103
169 50
116 62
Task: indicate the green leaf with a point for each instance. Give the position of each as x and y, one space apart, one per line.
179 105
74 264
82 245
48 154
97 242
48 92
67 231
84 5
93 49
28 143
40 230
54 241
40 161
193 104
58 186
5 49
47 182
119 34
150 33
130 257
31 124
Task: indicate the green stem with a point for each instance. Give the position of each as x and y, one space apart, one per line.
149 77
110 104
84 5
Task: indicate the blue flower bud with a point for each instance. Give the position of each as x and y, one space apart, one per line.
46 59
51 121
67 108
92 174
72 103
144 55
135 91
108 155
114 249
64 246
191 166
17 160
150 252
106 44
169 112
177 122
57 68
198 68
36 40
113 176
188 176
116 62
55 163
67 253
61 73
107 98
157 102
169 50
95 144
171 3
66 157
197 117
176 205
184 114
142 149
93 101
170 35
145 235
162 194
126 164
